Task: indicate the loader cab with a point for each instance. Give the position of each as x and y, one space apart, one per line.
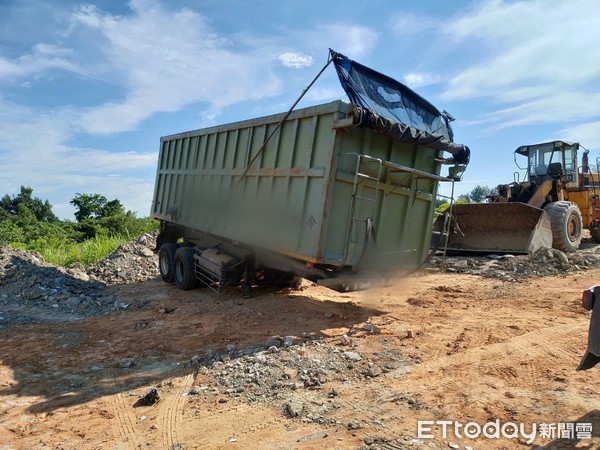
551 160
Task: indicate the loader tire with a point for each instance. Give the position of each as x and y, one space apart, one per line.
166 256
567 226
184 269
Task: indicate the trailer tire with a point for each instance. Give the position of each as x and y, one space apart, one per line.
567 225
184 269
166 256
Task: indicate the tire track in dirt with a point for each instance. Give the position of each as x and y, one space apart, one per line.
124 421
241 422
384 402
560 341
171 414
264 421
500 367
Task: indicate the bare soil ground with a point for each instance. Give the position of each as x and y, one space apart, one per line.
436 346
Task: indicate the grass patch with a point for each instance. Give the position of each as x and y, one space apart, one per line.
66 252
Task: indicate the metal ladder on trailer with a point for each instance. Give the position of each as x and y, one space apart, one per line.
446 215
444 232
360 175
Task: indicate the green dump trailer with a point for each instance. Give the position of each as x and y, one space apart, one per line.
323 200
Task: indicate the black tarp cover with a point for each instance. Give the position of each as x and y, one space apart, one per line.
392 108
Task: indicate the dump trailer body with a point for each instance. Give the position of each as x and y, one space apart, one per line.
498 228
318 193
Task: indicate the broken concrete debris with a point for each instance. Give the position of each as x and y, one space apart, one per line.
295 408
27 282
296 377
544 262
133 261
352 356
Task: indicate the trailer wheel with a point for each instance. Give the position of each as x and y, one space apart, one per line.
166 255
184 269
567 226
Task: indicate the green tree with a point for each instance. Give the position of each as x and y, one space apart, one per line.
24 206
443 206
10 232
480 193
95 206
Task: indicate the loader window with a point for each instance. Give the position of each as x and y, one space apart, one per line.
569 164
540 158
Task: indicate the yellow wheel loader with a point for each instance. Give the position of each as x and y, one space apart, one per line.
550 209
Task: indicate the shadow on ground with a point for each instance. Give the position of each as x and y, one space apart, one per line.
62 363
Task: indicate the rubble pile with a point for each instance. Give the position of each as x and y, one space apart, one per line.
33 290
297 377
133 261
26 282
543 263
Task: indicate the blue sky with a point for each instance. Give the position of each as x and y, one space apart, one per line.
88 89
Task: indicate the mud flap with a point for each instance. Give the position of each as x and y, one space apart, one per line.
498 228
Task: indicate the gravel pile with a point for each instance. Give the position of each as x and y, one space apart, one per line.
309 380
133 261
31 289
298 377
545 262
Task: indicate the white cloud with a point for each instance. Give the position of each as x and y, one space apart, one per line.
538 60
41 58
169 60
355 41
154 59
407 23
588 134
296 60
324 92
34 152
419 79
561 107
162 60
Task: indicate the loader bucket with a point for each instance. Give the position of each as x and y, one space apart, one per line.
497 228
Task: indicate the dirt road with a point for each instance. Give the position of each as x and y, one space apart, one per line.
430 347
